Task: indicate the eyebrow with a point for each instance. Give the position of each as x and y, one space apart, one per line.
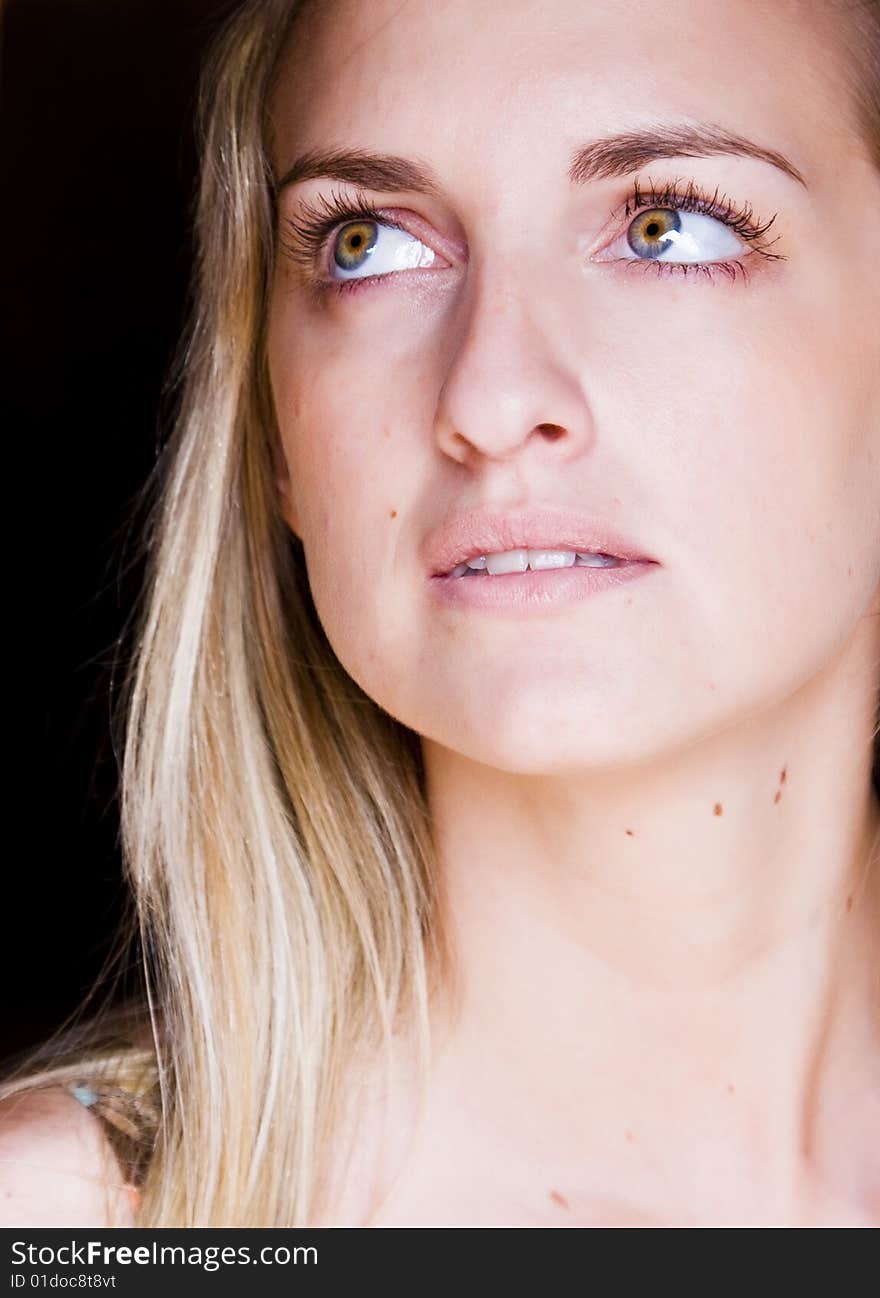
602 159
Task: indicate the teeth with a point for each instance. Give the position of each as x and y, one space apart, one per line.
598 560
507 561
520 560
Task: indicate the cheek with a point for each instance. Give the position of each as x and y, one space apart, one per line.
337 394
319 406
354 472
770 434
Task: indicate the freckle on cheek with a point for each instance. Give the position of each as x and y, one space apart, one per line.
630 833
783 774
559 1198
718 809
777 795
849 903
392 513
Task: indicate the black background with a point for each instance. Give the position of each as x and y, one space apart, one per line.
98 179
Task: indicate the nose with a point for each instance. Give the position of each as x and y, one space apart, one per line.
512 387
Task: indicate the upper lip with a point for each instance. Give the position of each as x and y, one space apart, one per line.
476 532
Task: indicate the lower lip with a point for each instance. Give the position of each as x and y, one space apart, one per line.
532 592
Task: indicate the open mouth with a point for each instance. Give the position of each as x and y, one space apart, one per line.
480 543
518 561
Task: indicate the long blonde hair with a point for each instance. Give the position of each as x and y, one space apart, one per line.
275 826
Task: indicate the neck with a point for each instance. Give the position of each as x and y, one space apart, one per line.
688 946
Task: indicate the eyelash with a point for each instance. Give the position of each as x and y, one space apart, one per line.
306 236
690 197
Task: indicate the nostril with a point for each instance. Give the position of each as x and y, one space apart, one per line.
552 431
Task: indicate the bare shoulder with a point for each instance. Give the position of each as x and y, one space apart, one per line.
57 1167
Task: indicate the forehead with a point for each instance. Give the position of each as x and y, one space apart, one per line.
462 82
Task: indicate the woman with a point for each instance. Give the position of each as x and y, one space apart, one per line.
497 795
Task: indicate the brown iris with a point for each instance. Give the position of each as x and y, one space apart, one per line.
648 235
354 243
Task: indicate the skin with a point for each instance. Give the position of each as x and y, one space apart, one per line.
657 836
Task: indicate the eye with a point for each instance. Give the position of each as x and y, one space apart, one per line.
672 234
365 248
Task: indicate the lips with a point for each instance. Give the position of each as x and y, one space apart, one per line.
474 532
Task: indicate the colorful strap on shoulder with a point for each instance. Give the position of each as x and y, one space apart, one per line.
85 1095
89 1097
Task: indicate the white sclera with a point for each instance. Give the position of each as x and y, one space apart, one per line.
701 238
408 253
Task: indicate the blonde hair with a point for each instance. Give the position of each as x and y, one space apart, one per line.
274 824
275 827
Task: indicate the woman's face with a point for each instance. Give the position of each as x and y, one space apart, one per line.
530 353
